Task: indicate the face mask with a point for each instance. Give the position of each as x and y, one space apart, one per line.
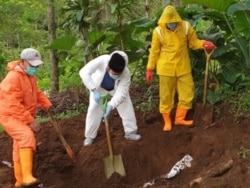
172 26
113 76
31 71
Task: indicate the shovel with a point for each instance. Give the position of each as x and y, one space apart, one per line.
65 144
112 163
204 112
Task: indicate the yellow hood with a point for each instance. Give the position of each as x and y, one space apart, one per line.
169 15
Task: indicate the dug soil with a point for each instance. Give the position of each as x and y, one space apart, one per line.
220 154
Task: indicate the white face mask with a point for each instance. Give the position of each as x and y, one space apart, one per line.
172 26
114 76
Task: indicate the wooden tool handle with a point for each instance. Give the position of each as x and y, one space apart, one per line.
208 56
65 144
108 137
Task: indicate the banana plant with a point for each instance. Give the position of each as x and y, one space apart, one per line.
231 18
76 20
236 14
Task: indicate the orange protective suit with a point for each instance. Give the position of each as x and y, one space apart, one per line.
19 99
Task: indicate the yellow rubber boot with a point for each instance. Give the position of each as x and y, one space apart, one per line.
26 158
18 174
167 121
180 118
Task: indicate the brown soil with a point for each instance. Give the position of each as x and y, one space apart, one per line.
212 150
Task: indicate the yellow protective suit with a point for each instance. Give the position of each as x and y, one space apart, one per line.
19 99
169 55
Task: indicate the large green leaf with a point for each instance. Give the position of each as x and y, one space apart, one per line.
241 14
220 5
213 96
241 23
145 24
79 15
229 74
238 7
64 43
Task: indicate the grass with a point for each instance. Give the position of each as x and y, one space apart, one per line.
1 128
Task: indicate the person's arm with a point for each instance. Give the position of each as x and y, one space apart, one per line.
154 53
90 68
154 50
12 95
122 89
193 42
43 100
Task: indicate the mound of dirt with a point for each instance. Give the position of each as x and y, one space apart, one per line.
220 154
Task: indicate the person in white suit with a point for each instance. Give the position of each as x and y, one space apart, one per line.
108 74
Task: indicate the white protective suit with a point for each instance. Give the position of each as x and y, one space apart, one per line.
92 75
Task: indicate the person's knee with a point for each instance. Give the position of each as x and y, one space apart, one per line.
28 140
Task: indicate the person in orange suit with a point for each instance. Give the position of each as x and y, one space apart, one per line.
169 54
19 99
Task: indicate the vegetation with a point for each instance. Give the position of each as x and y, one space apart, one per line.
88 28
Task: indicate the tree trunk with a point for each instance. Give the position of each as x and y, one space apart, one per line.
147 8
54 70
177 3
165 3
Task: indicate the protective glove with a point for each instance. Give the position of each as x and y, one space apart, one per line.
208 45
149 76
107 111
96 95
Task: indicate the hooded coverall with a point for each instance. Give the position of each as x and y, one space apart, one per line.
19 98
92 75
169 55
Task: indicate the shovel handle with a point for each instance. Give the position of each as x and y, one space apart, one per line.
208 56
65 144
103 104
108 137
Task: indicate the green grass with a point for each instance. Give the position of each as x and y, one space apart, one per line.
1 128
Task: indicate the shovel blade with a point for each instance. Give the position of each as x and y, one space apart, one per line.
113 164
203 115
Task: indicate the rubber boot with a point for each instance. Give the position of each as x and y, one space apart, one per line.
167 121
26 158
180 117
18 174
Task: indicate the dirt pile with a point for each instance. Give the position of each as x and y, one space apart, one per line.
220 154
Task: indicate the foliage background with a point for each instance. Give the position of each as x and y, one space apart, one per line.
88 28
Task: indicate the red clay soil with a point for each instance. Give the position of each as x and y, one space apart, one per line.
220 154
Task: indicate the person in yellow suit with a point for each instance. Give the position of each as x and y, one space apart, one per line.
19 99
169 54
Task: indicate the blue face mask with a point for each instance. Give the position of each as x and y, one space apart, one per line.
31 71
114 76
172 26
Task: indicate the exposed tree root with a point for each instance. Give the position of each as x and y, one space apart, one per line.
217 171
